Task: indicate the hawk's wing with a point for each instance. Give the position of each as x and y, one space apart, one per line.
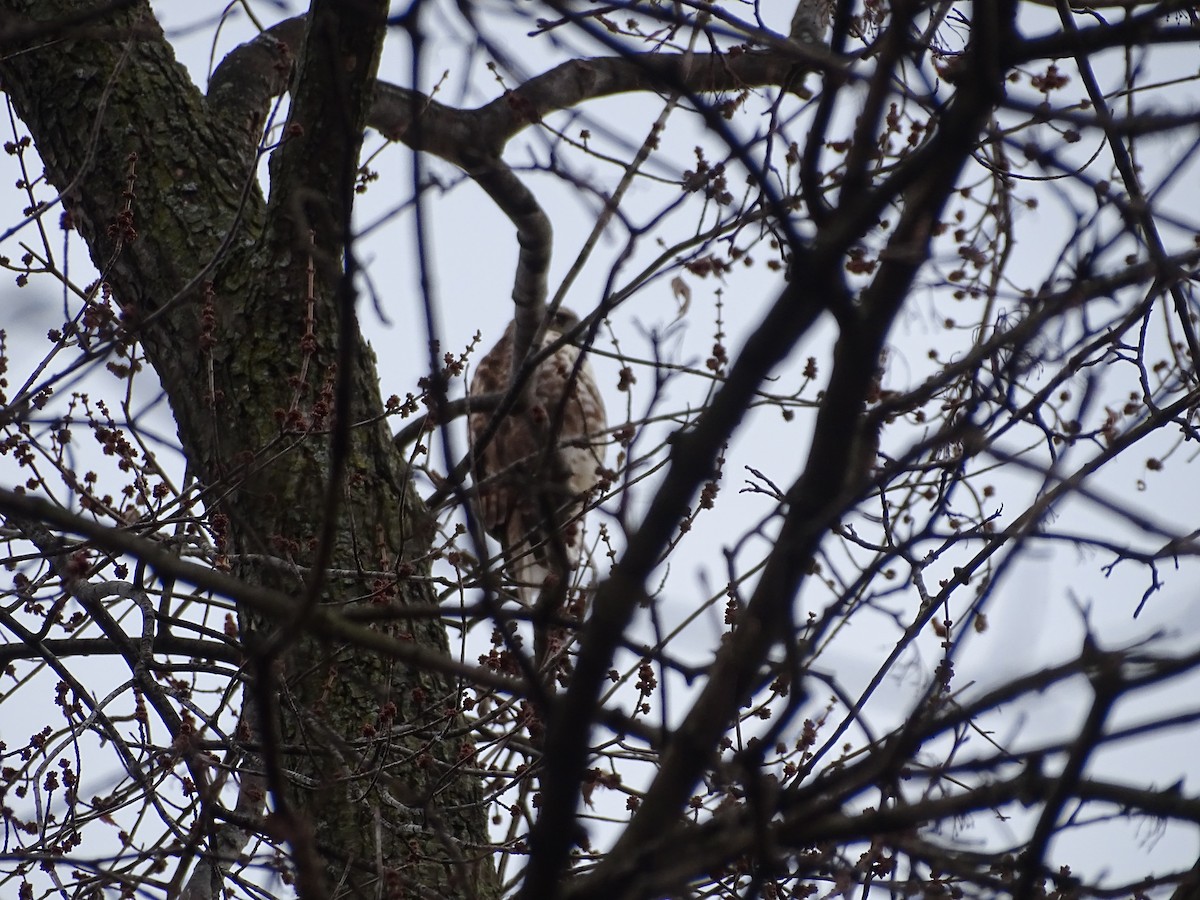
545 457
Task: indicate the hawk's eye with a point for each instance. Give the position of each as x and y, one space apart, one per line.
563 321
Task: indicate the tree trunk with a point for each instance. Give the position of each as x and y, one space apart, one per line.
246 311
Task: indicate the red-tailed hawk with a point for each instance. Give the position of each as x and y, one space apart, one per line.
535 473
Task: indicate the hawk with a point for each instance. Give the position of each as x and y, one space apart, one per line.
545 457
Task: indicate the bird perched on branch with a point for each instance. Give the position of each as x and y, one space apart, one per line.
543 459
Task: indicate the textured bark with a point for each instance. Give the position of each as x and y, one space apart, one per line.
120 125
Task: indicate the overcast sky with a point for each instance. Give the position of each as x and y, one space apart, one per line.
1038 614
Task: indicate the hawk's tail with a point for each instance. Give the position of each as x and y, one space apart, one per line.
527 570
540 558
542 561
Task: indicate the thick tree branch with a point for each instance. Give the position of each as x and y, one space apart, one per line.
1144 28
690 851
161 645
816 810
249 78
827 483
253 74
273 604
535 238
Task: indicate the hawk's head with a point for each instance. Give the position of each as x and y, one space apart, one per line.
562 320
